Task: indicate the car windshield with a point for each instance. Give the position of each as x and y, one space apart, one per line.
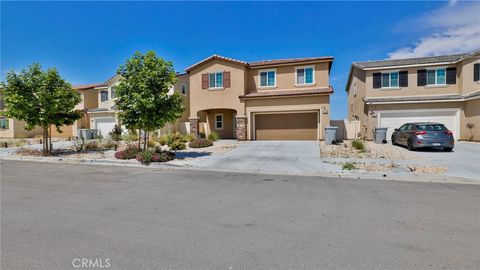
430 127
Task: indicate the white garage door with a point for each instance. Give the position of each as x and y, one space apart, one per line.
395 119
105 125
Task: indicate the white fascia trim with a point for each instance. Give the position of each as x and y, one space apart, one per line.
408 66
420 110
413 101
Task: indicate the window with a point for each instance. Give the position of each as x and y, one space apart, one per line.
113 93
3 123
305 75
103 96
476 72
219 121
215 80
354 89
389 79
184 89
436 76
267 78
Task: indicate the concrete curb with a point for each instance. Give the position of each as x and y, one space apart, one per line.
425 178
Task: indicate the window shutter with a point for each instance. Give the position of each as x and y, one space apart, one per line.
226 79
476 72
204 81
451 75
421 77
403 78
377 80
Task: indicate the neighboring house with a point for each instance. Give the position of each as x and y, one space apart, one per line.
13 128
286 99
443 89
104 116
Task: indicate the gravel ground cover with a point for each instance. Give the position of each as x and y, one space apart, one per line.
372 151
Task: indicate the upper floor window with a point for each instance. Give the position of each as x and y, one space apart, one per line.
215 80
3 123
103 96
184 89
354 89
268 78
113 93
389 79
305 75
436 76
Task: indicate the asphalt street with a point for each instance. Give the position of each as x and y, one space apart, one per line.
143 218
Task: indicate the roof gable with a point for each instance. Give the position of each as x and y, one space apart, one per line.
215 57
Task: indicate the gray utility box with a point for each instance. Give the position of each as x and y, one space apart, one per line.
330 135
87 134
380 135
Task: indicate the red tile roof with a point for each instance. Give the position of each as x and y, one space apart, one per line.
289 60
289 92
88 86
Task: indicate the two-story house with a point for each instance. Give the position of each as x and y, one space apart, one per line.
389 93
285 99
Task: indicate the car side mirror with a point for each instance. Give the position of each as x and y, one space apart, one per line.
397 129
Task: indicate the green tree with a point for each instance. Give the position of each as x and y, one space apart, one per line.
40 98
142 95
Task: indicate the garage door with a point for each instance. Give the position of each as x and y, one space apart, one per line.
394 120
286 126
105 125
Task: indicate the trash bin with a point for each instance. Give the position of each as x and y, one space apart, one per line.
380 135
330 135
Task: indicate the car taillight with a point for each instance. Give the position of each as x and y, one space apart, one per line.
420 133
448 132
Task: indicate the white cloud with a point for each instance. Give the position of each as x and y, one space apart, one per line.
453 29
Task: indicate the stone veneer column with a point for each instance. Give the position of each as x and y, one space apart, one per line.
241 130
194 126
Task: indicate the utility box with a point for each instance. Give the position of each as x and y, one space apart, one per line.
330 135
380 135
87 134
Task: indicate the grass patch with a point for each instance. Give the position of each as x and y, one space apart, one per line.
359 145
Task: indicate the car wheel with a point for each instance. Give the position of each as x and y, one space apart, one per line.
410 145
448 149
393 140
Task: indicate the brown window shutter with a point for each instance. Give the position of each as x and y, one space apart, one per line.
403 80
204 81
476 72
226 79
451 76
421 77
377 80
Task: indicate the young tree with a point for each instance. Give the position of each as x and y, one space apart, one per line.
142 95
40 98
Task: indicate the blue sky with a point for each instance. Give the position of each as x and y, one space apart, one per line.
87 41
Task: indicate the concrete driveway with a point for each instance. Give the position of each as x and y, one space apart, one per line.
284 157
462 162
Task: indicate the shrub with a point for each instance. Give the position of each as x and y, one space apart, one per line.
129 152
201 135
188 137
177 145
116 133
29 152
108 145
199 143
154 155
357 144
213 136
348 166
130 136
163 140
91 146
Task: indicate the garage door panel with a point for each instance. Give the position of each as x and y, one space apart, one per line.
394 120
286 126
105 125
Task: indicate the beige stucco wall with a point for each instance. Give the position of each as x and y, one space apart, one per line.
319 104
226 98
16 129
286 77
467 84
111 101
471 114
183 80
356 105
412 89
